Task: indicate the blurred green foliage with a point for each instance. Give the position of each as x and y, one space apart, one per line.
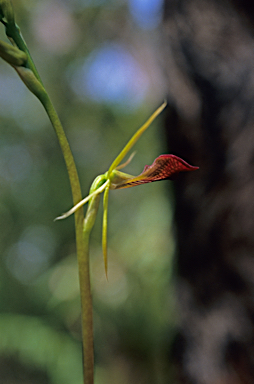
39 294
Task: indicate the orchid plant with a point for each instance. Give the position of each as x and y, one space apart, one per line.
163 167
16 53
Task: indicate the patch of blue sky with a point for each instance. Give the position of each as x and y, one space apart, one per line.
111 75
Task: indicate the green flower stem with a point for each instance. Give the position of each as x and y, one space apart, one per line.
31 78
82 243
85 290
87 309
87 312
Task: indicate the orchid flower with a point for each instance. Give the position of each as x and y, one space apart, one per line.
163 167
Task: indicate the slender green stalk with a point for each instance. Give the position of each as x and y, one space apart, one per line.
82 244
29 75
87 318
87 312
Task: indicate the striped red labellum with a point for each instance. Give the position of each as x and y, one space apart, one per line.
163 167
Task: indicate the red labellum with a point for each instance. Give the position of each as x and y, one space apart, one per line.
163 167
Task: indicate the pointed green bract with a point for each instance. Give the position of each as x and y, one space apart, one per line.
135 138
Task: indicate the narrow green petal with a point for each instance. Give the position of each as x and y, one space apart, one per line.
82 202
135 138
105 229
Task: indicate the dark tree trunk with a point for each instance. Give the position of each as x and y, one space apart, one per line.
209 67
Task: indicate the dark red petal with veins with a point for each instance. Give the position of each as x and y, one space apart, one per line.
164 167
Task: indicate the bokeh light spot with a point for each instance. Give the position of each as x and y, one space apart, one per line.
54 27
29 257
15 162
112 75
146 13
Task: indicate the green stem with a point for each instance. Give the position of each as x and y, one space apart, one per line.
82 244
87 313
82 240
87 318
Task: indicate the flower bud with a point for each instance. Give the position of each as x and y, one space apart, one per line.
6 11
32 83
12 55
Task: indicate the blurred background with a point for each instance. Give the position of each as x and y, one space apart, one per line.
99 62
179 303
